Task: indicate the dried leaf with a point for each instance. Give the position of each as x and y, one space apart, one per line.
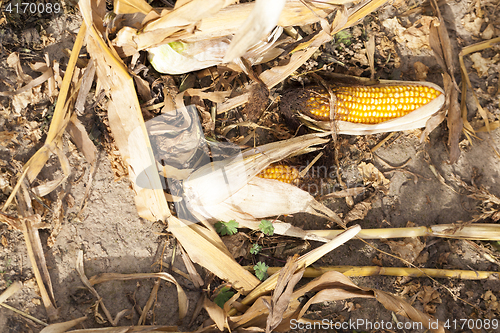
372 176
63 327
275 75
87 80
14 62
127 125
39 265
287 279
358 212
304 261
205 248
445 43
11 290
131 6
181 295
216 313
11 221
399 306
151 300
237 244
81 139
455 122
193 273
408 249
416 37
32 84
262 19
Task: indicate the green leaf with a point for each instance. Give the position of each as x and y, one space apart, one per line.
226 228
223 296
266 227
255 249
261 270
344 37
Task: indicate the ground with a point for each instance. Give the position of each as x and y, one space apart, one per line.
424 188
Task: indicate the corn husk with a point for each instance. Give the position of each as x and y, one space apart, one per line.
413 120
229 189
224 22
214 183
181 57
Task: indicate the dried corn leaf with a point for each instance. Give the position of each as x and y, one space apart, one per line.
219 23
39 265
193 273
63 327
47 74
455 122
123 329
59 121
81 139
288 277
335 286
262 19
127 124
14 62
362 9
304 261
466 80
203 251
185 16
442 47
11 221
11 290
131 7
275 75
151 300
81 272
216 314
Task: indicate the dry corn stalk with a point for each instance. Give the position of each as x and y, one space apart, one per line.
357 110
313 272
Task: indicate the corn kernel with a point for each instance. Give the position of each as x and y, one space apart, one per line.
283 173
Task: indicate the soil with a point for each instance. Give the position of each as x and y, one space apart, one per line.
423 190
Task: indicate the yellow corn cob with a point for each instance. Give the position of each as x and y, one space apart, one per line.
368 105
283 173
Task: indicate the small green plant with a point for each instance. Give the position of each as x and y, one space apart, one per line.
255 249
343 37
261 270
226 228
223 296
266 227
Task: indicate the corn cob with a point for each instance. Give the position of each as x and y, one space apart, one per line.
359 110
283 173
369 105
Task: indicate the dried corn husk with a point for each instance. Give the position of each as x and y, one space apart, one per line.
229 189
181 57
216 182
